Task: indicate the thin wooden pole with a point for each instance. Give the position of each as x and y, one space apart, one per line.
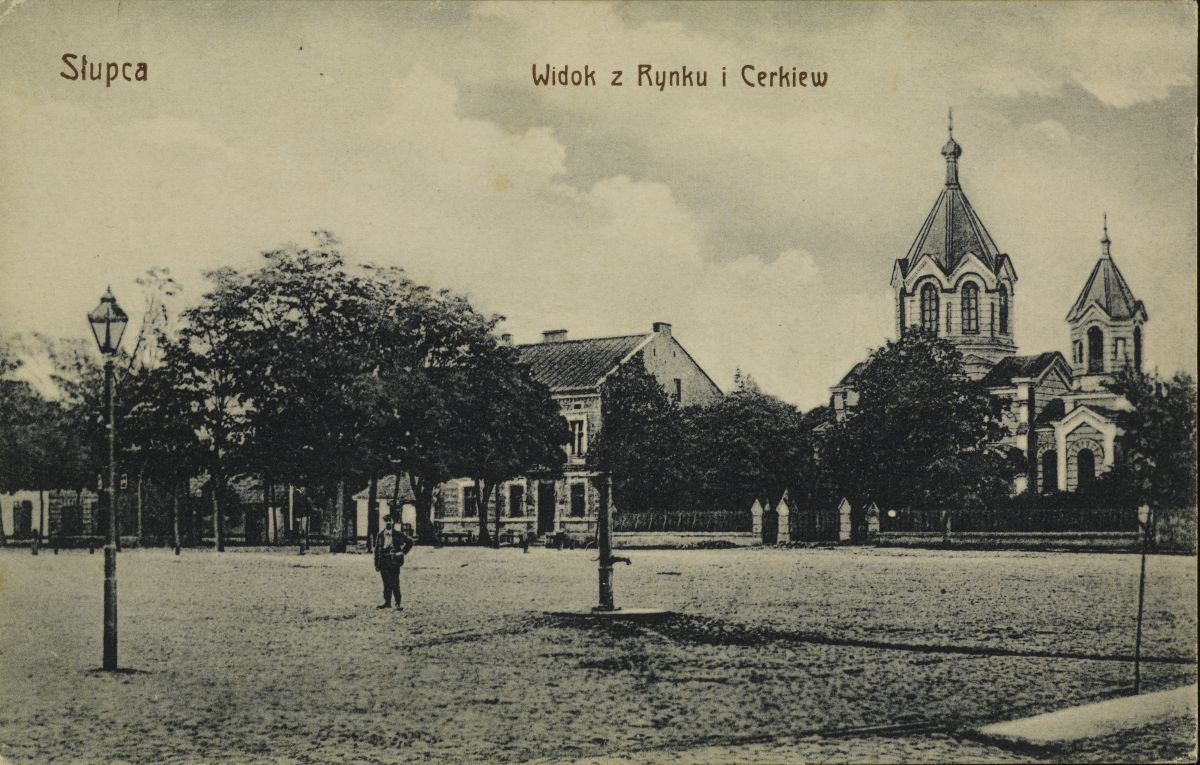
1144 527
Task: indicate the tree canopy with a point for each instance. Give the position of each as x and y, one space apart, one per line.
922 433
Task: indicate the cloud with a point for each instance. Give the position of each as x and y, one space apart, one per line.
762 224
165 130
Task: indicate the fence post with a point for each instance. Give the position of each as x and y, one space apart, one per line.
783 511
844 520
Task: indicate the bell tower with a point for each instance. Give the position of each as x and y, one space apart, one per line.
1106 323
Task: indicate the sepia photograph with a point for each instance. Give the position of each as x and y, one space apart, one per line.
598 383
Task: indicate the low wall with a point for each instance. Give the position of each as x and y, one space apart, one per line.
1116 541
683 540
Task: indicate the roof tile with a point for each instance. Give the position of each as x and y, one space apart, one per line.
574 364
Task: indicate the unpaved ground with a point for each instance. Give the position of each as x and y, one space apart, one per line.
776 656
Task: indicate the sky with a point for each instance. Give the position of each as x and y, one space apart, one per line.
761 222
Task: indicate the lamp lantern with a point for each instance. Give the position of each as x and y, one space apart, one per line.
108 323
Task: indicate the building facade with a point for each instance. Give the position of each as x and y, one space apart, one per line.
574 371
956 282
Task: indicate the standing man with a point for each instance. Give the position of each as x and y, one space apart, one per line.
391 545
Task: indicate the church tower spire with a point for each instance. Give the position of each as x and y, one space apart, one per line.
955 282
1106 243
1106 322
951 151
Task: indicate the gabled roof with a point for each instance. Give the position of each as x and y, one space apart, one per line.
1010 368
1106 288
247 489
851 377
576 364
386 487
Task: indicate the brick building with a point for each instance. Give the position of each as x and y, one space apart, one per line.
574 370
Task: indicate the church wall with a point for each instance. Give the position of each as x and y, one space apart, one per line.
988 342
1045 443
1083 437
1050 388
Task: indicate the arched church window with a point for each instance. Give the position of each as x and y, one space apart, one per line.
1049 471
929 307
1085 468
1137 348
903 318
1003 299
1095 349
970 309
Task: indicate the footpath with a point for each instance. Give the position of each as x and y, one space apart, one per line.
1099 719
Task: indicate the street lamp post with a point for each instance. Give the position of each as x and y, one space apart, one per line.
1144 516
108 324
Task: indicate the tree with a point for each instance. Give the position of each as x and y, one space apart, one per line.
923 435
750 444
22 416
427 343
201 382
1156 462
641 441
511 427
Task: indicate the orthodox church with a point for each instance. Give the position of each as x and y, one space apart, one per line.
956 282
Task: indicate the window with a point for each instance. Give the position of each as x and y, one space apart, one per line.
1095 340
470 502
949 311
578 500
929 308
903 324
1049 471
1119 352
1137 348
578 444
499 501
1077 352
516 501
1003 299
678 390
1085 466
970 309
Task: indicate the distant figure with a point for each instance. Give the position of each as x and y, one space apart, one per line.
391 545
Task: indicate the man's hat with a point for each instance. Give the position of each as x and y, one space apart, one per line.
387 516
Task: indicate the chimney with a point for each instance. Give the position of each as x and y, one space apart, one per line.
554 336
506 339
662 328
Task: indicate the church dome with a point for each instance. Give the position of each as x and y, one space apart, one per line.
952 150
